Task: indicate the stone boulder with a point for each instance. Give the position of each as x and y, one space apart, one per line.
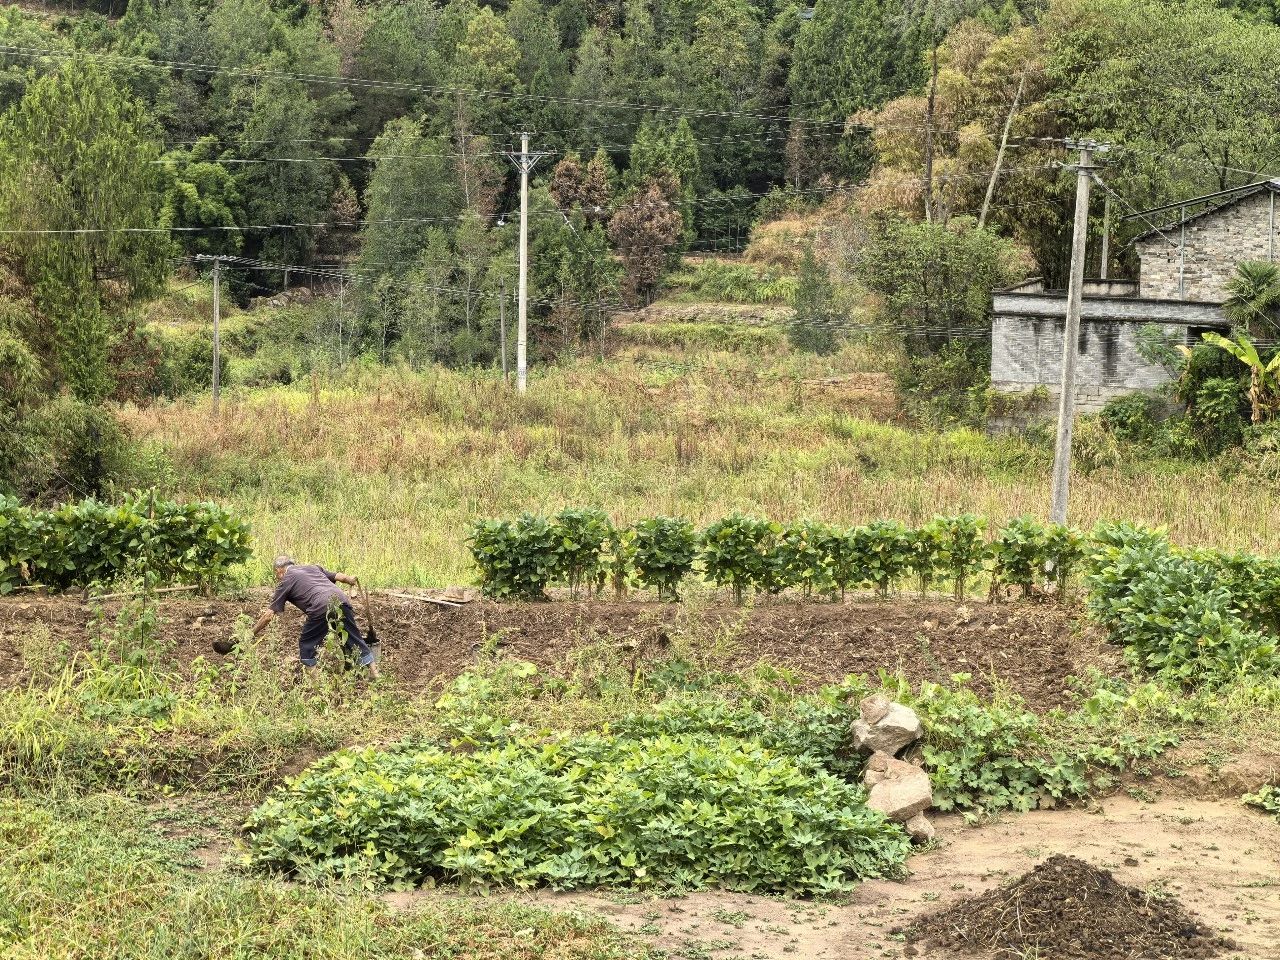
898 789
920 829
884 726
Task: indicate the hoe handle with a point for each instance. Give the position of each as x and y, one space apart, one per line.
368 610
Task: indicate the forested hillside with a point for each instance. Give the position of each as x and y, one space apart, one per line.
360 147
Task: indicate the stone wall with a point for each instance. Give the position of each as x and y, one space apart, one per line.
1026 354
1214 245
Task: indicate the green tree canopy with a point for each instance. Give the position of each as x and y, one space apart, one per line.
78 153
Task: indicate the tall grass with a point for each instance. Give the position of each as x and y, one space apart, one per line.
94 878
381 471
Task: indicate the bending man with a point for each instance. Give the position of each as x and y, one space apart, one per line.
314 590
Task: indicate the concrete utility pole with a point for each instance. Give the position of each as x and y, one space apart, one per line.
525 161
217 332
502 324
1071 335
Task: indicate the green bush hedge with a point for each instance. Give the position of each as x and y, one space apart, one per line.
592 810
582 549
92 542
1191 616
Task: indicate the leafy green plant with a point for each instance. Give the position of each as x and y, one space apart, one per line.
516 558
735 552
1266 799
1019 555
1264 374
79 544
579 538
1175 614
846 561
1064 549
804 556
984 756
962 551
590 810
664 550
620 554
926 550
885 553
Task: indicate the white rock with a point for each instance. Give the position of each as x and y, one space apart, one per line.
899 790
893 729
920 829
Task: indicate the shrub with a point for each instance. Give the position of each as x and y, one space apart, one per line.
515 557
92 542
63 448
664 550
946 388
962 550
578 542
1220 413
1019 555
847 567
589 810
735 552
884 552
1174 613
804 556
926 548
1134 417
1064 548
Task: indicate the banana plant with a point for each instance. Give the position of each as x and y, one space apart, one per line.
1264 377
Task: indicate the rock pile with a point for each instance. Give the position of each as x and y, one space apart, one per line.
898 789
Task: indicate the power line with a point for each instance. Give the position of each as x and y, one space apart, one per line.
387 85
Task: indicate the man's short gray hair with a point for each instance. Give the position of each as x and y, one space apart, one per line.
282 561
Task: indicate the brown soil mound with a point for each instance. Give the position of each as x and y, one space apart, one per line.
1030 648
1066 909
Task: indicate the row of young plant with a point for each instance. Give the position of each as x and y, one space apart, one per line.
583 550
78 544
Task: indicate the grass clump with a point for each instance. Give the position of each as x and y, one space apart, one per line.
122 715
592 810
93 878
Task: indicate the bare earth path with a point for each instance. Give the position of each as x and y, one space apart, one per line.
1219 859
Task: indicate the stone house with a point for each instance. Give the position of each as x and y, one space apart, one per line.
1184 269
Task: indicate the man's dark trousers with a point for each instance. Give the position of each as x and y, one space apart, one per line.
317 628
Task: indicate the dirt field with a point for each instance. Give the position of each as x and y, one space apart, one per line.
1032 648
1220 860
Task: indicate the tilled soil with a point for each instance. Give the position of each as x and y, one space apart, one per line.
1068 909
1029 648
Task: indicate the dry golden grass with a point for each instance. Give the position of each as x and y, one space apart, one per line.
382 471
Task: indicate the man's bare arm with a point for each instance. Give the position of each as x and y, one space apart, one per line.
262 622
347 578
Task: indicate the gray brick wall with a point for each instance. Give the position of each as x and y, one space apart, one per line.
1214 245
1026 352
